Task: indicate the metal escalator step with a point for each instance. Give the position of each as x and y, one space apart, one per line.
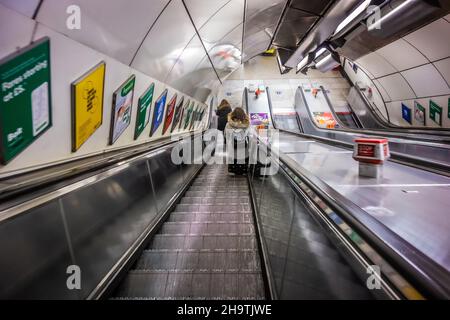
210 217
163 241
213 200
192 285
210 260
212 194
213 228
241 208
219 188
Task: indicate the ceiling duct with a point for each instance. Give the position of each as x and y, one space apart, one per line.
282 56
394 21
327 61
323 29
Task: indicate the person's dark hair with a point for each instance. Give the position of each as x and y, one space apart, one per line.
224 103
238 114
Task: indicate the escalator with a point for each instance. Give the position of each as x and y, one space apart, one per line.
347 118
151 228
207 249
427 152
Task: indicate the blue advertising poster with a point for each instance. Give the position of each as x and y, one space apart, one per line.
406 113
158 113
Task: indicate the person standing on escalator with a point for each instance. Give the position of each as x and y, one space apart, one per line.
222 113
238 132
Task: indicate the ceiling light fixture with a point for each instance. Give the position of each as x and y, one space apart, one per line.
352 16
377 24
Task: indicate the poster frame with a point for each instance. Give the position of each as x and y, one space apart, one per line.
179 108
147 121
432 104
174 101
73 102
405 107
418 106
8 58
113 108
152 128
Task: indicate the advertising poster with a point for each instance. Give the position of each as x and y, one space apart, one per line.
188 112
158 112
406 113
178 114
121 109
183 115
324 120
143 114
193 118
25 104
201 116
170 113
257 119
435 112
419 113
87 105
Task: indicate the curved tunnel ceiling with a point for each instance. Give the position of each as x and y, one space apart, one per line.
192 45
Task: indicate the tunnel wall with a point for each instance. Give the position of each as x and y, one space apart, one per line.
413 68
70 60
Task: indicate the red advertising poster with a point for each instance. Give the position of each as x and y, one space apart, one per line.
170 113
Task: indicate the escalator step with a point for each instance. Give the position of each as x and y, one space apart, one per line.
219 188
212 194
203 228
216 201
212 260
192 285
164 241
210 217
241 208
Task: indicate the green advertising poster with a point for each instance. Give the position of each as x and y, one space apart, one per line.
448 108
143 116
25 105
435 112
189 112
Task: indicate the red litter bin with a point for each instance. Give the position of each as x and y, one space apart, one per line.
371 154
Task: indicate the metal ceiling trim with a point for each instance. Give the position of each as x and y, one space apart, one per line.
280 21
201 41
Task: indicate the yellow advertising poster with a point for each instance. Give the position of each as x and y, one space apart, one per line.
87 105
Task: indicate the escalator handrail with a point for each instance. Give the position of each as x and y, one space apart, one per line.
422 271
60 171
436 167
70 179
388 133
396 128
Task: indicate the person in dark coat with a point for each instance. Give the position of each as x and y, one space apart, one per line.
222 113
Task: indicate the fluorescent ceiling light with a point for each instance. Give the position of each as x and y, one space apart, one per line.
302 63
352 16
323 61
320 52
377 24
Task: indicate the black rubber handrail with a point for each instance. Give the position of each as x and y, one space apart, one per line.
394 128
435 137
30 181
